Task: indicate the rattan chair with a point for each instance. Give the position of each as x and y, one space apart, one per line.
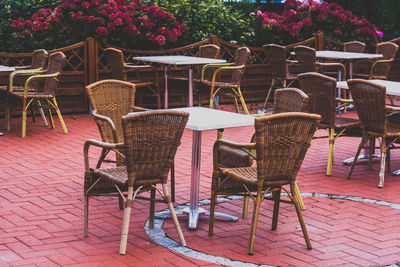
370 102
276 57
207 51
307 62
230 85
281 143
354 46
321 90
379 69
38 62
285 100
120 71
151 139
40 88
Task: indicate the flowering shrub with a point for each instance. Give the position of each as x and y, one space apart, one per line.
119 22
302 20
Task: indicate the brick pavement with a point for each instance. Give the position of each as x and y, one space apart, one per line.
41 209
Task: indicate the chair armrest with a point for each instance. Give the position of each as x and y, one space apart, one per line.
98 117
139 109
136 68
26 72
37 76
246 147
334 64
390 108
222 69
212 65
343 100
97 143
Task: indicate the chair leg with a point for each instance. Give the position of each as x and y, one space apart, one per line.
254 222
7 113
245 210
173 215
120 203
24 113
212 96
243 102
331 134
371 152
236 105
383 161
42 113
276 195
360 146
86 215
125 222
297 192
60 116
52 126
388 159
300 216
269 92
33 115
213 201
173 182
152 207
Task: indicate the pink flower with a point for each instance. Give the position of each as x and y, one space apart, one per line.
85 4
147 24
379 33
26 33
150 36
307 22
160 40
18 24
163 30
337 32
102 31
259 13
111 26
118 22
132 30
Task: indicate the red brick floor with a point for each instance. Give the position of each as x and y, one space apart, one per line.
41 209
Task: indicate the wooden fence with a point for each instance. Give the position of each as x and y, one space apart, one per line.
85 64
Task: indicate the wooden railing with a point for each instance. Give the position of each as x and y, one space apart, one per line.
86 64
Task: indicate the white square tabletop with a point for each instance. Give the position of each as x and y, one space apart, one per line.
392 88
179 60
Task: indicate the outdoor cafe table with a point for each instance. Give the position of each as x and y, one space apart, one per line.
179 60
204 119
346 56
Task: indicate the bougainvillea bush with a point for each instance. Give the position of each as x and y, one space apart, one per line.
302 20
119 22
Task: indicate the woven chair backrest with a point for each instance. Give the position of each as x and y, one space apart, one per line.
113 99
276 59
370 101
115 61
208 51
354 46
55 65
387 49
306 56
39 58
241 58
282 141
289 100
321 90
151 139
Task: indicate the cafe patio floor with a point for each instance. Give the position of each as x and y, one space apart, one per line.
350 222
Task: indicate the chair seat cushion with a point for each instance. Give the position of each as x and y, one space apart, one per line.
221 84
343 122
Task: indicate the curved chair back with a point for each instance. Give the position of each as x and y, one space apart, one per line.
209 51
276 58
39 58
115 61
56 64
113 99
282 141
241 58
321 90
387 49
306 56
151 139
370 101
289 100
354 46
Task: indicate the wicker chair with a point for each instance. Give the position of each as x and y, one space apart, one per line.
321 90
281 143
370 102
380 68
120 70
234 71
151 139
276 57
39 59
207 51
307 62
354 46
40 88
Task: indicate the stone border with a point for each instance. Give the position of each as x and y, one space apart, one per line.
158 235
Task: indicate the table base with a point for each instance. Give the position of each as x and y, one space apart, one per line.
349 161
194 214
